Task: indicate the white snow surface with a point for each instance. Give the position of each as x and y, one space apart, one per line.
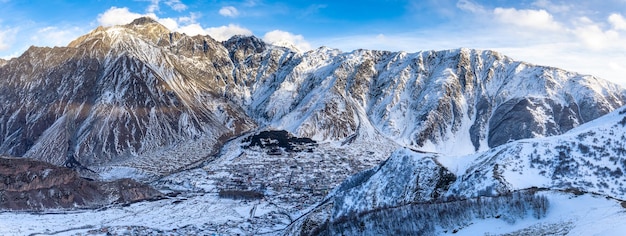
568 215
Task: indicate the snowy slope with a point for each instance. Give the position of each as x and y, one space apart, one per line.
590 158
587 161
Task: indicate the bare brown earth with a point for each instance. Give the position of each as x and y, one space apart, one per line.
27 184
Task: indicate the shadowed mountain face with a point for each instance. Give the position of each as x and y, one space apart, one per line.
27 184
128 94
115 94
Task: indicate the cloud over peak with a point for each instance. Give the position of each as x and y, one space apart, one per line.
223 33
287 39
119 16
6 38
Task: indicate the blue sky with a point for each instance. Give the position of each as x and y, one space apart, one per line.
578 35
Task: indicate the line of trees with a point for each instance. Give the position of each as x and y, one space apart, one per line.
426 218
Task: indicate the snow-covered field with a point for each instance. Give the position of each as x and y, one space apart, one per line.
568 215
292 183
208 214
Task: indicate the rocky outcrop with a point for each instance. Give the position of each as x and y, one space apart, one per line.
27 184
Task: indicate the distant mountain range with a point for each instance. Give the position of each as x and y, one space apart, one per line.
140 101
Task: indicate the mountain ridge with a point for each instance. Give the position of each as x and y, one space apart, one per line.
141 76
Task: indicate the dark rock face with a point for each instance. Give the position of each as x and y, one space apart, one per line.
241 47
27 184
517 119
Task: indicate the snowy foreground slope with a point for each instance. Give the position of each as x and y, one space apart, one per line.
243 137
516 197
553 185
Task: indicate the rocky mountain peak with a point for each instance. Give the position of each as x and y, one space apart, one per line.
149 28
145 20
240 46
245 42
146 23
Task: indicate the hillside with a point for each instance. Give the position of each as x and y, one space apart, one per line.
528 180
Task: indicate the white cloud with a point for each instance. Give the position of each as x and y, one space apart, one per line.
223 33
548 5
229 11
189 19
7 36
176 5
169 23
286 39
470 6
532 19
192 29
593 36
153 7
617 21
55 36
119 16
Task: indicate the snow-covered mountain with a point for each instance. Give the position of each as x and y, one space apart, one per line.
456 101
524 178
127 94
117 94
205 121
